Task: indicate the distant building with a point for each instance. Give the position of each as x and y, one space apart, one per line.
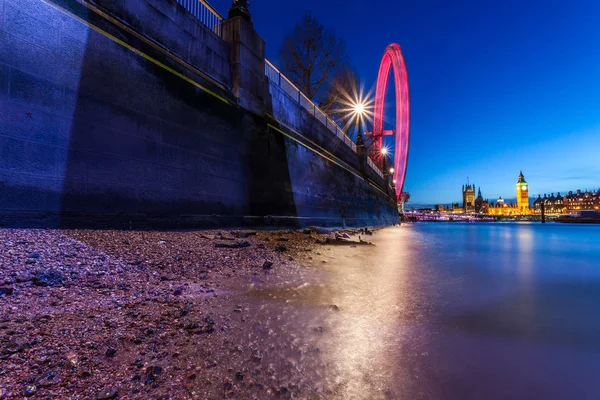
468 192
588 200
553 204
522 194
537 204
522 205
501 208
456 209
481 205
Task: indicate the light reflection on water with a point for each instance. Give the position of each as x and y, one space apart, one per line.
465 311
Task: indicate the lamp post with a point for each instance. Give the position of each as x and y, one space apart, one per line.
384 152
358 109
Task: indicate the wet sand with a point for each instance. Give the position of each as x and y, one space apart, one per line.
162 315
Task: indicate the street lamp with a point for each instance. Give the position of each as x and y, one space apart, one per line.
391 170
384 151
359 108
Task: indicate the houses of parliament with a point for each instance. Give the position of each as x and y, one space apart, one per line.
477 204
552 204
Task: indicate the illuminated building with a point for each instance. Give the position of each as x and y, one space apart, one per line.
481 205
582 200
522 194
588 200
468 192
537 204
501 208
552 204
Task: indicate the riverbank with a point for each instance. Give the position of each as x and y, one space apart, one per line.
126 314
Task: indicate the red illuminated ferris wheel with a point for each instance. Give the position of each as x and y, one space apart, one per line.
393 58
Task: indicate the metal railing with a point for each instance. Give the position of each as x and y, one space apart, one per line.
205 14
288 87
214 21
374 167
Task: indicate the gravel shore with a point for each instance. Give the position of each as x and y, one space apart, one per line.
159 315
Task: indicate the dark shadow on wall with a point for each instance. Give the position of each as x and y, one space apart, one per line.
269 187
147 149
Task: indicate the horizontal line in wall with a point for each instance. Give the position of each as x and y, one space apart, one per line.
138 52
329 157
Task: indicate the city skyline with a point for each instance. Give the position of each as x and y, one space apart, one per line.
491 92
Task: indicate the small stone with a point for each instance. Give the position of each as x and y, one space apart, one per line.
73 360
283 239
281 248
48 379
267 264
29 390
110 353
239 376
178 291
234 244
154 370
10 348
6 291
256 356
333 307
34 255
48 278
107 394
238 310
307 231
244 234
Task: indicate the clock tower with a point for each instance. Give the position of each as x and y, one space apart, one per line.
522 194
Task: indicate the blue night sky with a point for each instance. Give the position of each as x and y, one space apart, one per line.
496 86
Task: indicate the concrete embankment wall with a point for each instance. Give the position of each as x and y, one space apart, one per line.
123 113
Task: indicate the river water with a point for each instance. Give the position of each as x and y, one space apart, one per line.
464 311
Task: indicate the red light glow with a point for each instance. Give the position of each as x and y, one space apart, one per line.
393 58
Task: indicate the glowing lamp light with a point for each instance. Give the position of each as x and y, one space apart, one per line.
384 151
359 108
395 181
391 170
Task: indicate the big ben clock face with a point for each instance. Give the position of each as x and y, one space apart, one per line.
524 188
